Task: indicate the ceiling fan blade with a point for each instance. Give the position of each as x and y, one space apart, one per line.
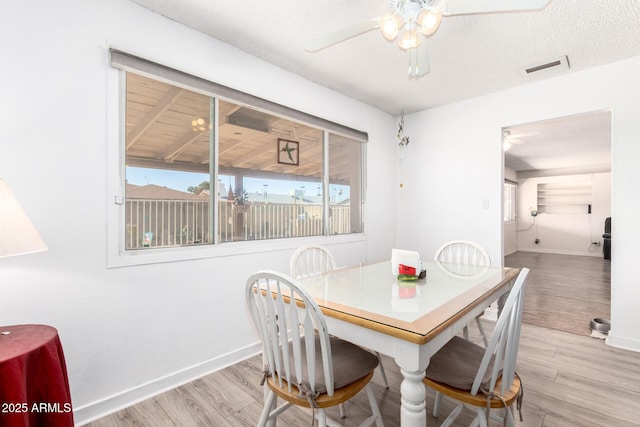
463 7
330 39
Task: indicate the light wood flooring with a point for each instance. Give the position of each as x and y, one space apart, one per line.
570 380
564 292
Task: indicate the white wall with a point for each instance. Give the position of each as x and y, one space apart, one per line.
453 165
129 332
564 233
456 164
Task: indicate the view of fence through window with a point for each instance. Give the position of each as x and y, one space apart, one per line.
270 172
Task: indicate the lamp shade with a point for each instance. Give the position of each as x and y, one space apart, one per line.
17 234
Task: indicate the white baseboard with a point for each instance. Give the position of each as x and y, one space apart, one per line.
621 342
561 252
93 411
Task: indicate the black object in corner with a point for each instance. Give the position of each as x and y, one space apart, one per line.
606 246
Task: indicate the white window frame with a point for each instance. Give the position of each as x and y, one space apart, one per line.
117 256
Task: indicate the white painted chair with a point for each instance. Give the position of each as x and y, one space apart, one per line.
310 260
464 258
478 377
304 365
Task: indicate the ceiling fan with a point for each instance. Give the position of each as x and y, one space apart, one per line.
409 21
511 138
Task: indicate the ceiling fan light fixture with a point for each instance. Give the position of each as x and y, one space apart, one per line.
410 39
391 25
429 21
409 20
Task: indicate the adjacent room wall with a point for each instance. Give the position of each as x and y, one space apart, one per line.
439 202
134 331
570 233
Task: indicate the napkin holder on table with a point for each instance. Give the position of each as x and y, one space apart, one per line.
405 264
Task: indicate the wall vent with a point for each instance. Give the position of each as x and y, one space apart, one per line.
547 69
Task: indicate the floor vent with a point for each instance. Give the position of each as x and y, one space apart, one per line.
548 69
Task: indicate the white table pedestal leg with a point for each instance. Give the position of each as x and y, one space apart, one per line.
413 395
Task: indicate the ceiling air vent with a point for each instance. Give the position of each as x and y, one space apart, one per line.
548 69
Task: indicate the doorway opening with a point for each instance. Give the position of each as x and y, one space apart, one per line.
558 190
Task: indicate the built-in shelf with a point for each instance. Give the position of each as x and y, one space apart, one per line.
564 197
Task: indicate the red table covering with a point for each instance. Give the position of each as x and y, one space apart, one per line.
34 389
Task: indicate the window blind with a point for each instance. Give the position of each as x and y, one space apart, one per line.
130 62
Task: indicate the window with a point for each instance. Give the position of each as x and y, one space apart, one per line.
201 169
345 177
510 201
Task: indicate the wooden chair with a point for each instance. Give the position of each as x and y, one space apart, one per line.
304 365
482 378
464 258
310 260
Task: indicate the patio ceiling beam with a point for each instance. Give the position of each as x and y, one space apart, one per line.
150 118
256 154
252 173
146 162
185 140
229 145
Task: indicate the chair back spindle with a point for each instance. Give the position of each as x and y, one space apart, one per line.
501 353
284 316
309 260
462 258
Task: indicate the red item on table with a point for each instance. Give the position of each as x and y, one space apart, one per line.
405 269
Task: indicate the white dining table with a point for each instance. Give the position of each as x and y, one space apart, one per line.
408 321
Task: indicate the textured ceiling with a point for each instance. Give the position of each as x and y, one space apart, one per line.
470 55
576 142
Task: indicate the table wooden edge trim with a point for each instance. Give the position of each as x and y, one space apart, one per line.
510 276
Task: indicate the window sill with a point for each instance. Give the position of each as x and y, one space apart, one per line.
177 254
